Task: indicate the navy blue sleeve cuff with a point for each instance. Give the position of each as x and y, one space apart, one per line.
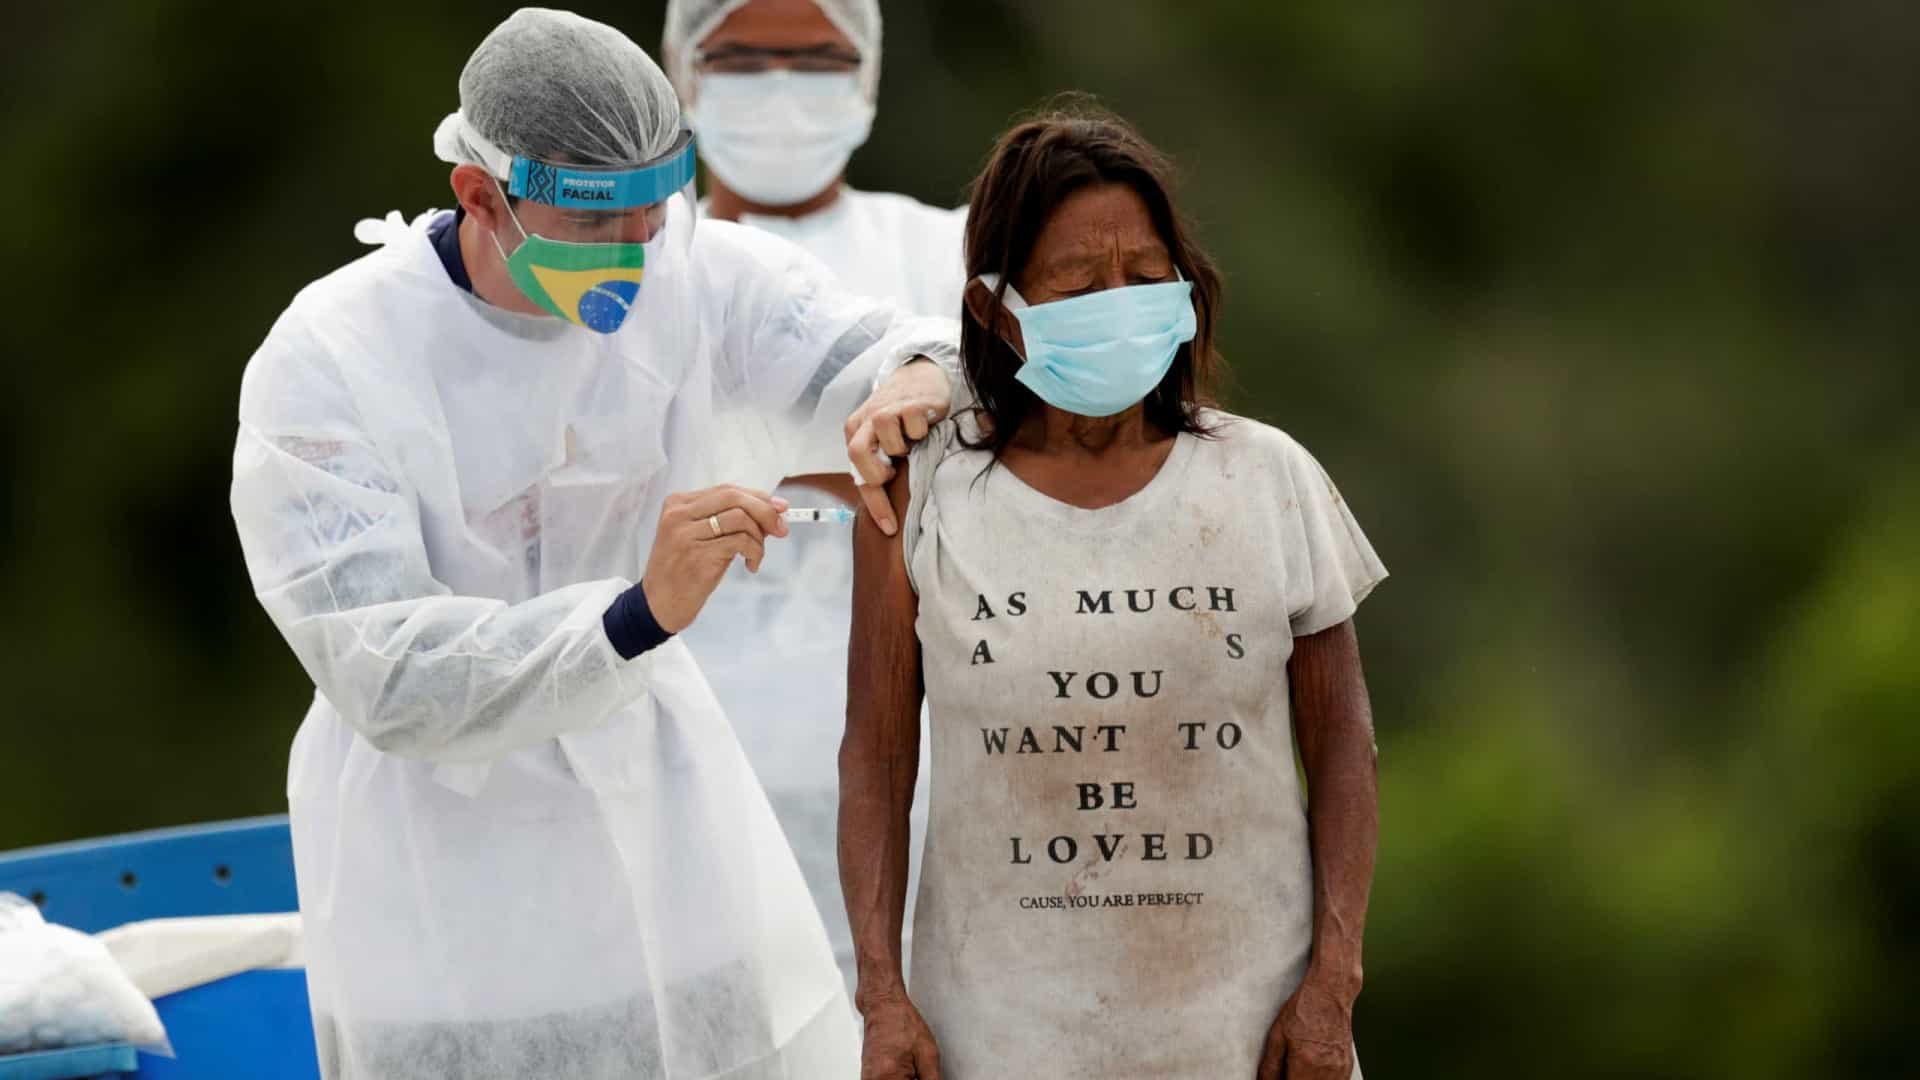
630 625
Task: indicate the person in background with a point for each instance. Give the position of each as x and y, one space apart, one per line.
1126 610
478 487
780 94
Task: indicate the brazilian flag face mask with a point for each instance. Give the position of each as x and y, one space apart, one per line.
593 284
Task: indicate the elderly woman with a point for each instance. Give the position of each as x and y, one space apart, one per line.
1126 610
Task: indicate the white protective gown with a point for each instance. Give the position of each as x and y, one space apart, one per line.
886 245
775 643
518 854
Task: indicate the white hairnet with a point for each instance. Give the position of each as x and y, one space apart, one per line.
689 22
558 87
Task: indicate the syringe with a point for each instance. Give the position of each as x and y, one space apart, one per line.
827 515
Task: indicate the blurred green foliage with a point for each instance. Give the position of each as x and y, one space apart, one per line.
1603 314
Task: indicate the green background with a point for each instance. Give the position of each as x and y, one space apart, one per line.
1602 314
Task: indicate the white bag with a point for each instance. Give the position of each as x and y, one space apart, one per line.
60 988
166 956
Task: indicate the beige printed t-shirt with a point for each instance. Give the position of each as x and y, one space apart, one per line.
1116 879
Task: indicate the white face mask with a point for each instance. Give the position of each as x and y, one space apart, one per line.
780 137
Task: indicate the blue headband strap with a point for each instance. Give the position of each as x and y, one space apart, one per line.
603 189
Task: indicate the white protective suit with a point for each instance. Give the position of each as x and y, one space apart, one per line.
775 643
518 854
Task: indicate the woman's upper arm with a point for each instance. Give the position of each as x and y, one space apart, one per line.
1329 688
883 655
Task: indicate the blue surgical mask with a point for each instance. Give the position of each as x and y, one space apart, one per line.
1100 354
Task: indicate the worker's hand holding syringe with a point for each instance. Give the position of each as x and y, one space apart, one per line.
700 533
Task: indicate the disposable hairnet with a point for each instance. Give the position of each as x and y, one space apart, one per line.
557 87
689 22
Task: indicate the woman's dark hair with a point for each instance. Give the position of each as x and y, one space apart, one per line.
1032 170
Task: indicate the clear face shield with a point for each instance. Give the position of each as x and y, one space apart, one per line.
585 237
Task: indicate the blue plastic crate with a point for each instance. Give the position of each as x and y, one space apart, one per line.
116 1059
255 1024
225 868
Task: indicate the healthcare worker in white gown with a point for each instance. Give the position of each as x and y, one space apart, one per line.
780 94
477 490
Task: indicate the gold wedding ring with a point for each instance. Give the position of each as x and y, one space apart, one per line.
713 522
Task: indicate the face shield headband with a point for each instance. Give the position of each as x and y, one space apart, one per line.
574 187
